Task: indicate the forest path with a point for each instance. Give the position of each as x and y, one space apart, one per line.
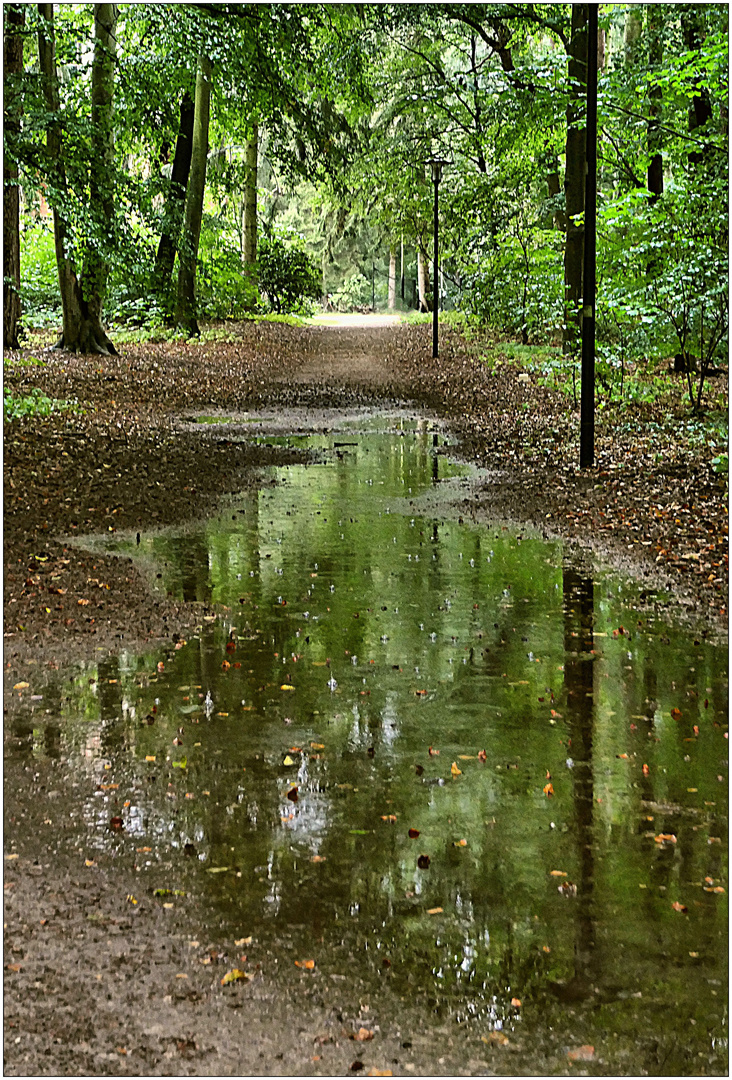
349 350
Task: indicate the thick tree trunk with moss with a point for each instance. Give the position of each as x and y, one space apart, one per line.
175 200
574 178
81 302
14 25
250 197
185 313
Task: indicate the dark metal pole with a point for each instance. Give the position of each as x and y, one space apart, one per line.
435 290
587 399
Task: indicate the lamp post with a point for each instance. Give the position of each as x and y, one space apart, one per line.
437 165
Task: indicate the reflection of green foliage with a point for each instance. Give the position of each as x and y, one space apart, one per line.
498 677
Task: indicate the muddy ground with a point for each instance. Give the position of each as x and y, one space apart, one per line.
93 986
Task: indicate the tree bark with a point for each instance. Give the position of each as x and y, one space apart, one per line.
701 106
574 178
175 200
392 280
14 25
654 14
632 33
82 329
186 302
250 197
423 281
95 271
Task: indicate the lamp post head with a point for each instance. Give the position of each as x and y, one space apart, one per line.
437 165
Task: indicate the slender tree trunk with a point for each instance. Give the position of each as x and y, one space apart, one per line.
186 304
423 281
392 280
632 33
654 14
175 200
574 178
82 329
701 106
250 197
14 25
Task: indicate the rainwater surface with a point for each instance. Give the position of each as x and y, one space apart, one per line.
417 755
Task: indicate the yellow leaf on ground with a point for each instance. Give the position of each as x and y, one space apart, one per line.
558 873
21 686
309 964
244 940
454 769
434 910
289 761
234 976
286 686
379 1072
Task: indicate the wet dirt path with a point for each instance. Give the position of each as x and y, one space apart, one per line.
98 973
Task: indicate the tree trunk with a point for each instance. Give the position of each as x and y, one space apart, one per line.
250 197
82 329
701 106
175 200
632 33
423 281
655 138
95 271
14 25
185 315
574 178
392 280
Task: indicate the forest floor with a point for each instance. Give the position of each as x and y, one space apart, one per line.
652 507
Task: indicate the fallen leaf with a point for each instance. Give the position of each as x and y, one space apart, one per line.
309 964
13 967
676 713
665 838
289 761
435 910
243 941
116 823
412 833
581 1053
482 756
391 818
516 1002
495 1038
679 907
292 794
548 790
454 769
287 686
423 862
558 873
362 1035
21 686
460 843
234 976
317 746
434 753
379 1072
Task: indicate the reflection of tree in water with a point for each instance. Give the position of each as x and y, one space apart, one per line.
579 618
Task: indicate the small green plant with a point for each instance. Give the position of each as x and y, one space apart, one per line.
288 277
34 404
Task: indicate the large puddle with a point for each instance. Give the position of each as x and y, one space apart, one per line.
425 753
